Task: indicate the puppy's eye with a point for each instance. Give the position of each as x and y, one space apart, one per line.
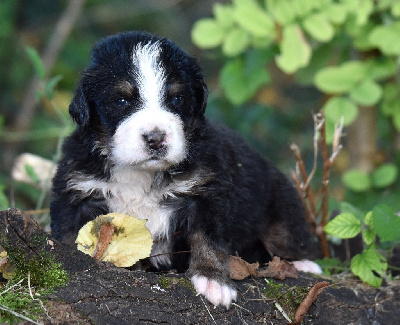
177 100
121 102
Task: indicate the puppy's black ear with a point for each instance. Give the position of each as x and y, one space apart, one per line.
201 95
79 108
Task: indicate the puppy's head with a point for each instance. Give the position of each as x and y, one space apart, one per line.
143 95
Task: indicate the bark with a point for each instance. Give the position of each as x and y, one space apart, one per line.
100 293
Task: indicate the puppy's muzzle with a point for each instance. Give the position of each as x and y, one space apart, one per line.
155 140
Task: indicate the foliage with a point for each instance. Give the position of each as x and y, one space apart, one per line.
380 225
348 49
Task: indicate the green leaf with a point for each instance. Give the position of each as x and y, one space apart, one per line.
32 174
363 265
369 236
303 7
391 99
223 14
4 204
364 9
235 42
207 33
295 51
366 93
387 38
361 35
340 107
328 264
368 219
243 76
37 62
336 13
396 118
282 10
320 58
351 5
329 131
396 9
346 207
319 27
50 85
249 15
356 180
384 175
382 68
340 79
386 223
345 225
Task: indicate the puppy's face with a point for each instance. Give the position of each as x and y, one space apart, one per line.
143 95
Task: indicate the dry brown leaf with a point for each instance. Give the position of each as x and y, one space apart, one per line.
240 269
279 269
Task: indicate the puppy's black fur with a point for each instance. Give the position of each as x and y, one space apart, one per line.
238 202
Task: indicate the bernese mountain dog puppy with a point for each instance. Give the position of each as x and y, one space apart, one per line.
143 147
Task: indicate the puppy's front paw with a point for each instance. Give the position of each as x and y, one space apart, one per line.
307 266
217 293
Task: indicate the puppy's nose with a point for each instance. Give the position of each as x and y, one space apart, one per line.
154 139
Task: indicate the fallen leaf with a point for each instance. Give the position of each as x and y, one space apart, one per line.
7 270
279 269
240 269
130 239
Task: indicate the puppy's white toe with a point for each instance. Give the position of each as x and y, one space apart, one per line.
307 266
217 293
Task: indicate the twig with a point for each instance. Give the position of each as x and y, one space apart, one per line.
12 287
208 310
171 253
35 299
303 186
279 307
312 295
5 308
327 164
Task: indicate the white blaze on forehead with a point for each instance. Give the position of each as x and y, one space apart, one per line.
129 146
149 73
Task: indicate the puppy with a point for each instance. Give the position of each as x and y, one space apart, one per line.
143 147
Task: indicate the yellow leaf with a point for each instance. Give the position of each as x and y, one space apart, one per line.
130 241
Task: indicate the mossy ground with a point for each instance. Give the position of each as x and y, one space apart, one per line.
170 282
33 280
289 298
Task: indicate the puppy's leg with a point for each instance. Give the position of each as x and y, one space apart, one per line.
287 234
209 271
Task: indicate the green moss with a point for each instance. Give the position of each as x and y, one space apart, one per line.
170 282
18 299
44 275
288 297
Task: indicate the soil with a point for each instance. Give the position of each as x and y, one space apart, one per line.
100 293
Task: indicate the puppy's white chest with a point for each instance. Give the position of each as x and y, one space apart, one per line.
131 192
